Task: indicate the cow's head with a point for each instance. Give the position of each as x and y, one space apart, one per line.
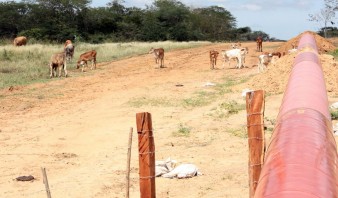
79 63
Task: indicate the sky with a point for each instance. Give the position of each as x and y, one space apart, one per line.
281 19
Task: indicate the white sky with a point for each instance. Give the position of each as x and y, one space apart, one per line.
282 19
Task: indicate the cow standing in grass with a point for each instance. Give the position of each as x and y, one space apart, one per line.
20 41
58 62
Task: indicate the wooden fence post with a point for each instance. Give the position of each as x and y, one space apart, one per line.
255 125
128 161
146 149
45 181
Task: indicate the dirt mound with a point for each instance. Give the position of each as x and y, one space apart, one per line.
275 78
323 44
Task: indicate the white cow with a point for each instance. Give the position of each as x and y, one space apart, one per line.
264 60
238 54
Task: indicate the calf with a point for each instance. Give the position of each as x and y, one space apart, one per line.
19 41
158 55
238 54
69 51
85 57
58 61
264 60
259 42
213 58
294 48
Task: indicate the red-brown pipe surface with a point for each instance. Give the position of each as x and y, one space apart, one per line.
301 160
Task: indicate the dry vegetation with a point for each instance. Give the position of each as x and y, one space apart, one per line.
29 64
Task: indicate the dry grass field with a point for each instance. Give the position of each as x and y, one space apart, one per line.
77 127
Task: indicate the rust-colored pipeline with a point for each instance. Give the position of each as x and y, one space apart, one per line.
301 161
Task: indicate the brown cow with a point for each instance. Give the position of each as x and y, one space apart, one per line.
58 61
259 42
158 55
19 41
213 58
87 56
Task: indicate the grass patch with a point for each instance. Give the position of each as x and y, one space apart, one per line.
239 132
225 87
204 98
29 64
334 53
232 107
334 114
182 130
227 109
199 99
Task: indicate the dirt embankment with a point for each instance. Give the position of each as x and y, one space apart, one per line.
323 44
275 78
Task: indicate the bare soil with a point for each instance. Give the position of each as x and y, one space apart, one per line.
77 128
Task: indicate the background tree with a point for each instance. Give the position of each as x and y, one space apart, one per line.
12 18
215 23
172 16
326 15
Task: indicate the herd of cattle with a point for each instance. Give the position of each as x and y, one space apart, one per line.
59 60
238 53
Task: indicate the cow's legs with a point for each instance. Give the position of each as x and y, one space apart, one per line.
60 70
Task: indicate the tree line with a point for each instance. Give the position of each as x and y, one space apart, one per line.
58 20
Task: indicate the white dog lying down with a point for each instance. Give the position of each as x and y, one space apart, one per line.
166 169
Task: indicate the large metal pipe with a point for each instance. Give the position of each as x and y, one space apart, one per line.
301 160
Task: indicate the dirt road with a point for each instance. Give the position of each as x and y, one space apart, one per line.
77 128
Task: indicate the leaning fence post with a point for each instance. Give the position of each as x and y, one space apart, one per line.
45 181
146 148
255 125
128 161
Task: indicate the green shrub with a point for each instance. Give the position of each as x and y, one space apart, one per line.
334 114
335 53
232 107
184 130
